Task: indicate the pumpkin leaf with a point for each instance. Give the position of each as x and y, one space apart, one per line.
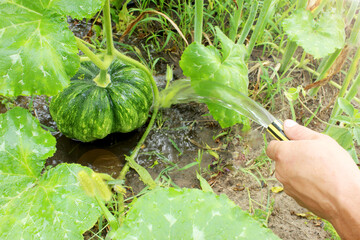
23 141
318 37
191 214
35 206
76 8
226 66
38 52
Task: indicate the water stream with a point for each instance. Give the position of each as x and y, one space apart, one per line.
181 91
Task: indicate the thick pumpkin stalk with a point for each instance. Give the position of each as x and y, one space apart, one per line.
103 79
108 29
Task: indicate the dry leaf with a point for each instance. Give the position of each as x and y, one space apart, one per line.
277 189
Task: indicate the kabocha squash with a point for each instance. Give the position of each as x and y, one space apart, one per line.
86 111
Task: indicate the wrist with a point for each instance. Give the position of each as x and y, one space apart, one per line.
346 218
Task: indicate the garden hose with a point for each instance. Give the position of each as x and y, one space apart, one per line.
277 131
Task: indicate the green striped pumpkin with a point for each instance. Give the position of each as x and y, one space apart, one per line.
85 111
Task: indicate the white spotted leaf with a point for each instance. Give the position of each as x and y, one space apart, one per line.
226 66
188 214
319 37
38 52
75 8
36 205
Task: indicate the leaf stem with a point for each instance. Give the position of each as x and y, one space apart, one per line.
249 22
354 89
355 31
293 114
260 25
289 53
121 208
107 28
109 217
351 13
89 44
92 56
199 5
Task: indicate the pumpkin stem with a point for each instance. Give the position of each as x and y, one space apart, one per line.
103 79
108 28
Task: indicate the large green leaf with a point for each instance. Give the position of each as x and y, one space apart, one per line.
203 64
189 214
38 52
35 206
318 37
75 8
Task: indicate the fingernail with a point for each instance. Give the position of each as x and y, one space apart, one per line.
289 123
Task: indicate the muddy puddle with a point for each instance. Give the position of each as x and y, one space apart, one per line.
167 145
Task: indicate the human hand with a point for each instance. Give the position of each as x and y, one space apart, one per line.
318 173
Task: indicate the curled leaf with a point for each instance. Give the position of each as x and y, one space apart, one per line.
226 66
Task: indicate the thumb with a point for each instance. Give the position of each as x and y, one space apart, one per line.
295 131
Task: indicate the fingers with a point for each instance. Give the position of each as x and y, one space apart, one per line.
295 131
273 150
